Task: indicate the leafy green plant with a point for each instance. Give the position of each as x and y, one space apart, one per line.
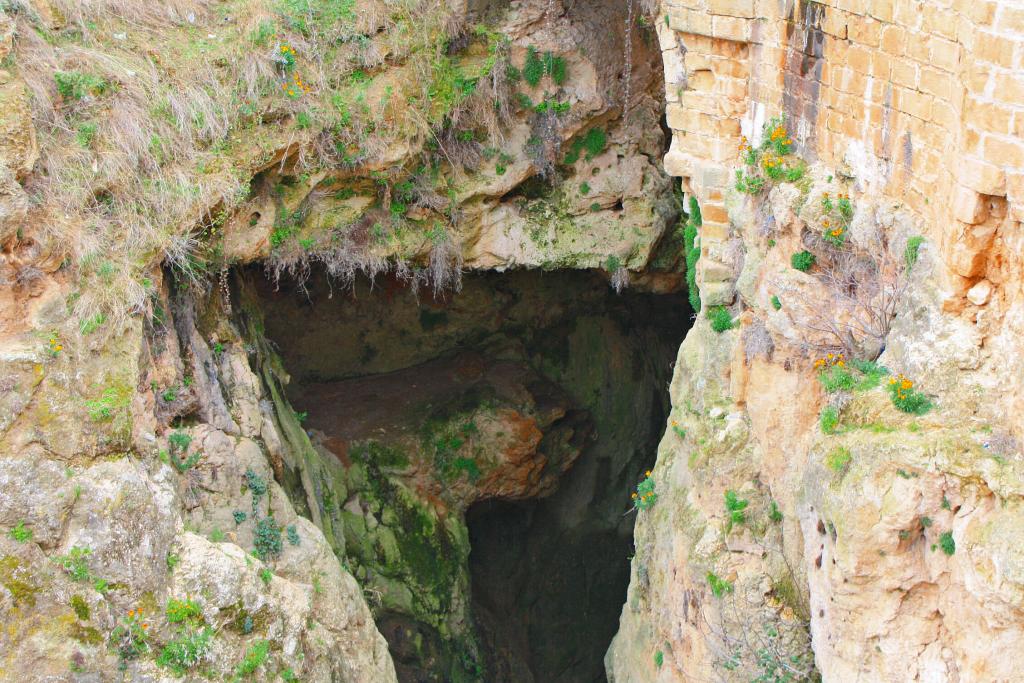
555 68
590 145
774 513
293 535
776 304
170 395
266 576
837 378
659 658
947 543
735 508
691 246
217 535
255 657
906 398
838 459
912 249
644 497
240 516
85 133
721 319
172 559
829 420
129 638
802 260
267 539
584 188
719 586
872 374
186 650
533 68
20 533
76 563
179 611
75 85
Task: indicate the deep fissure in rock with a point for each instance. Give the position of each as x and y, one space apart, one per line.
477 455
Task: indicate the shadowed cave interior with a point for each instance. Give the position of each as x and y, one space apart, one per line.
484 446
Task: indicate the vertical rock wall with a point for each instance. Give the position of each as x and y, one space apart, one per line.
884 544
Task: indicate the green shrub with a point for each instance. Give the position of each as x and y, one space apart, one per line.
721 319
774 513
533 68
76 563
802 260
255 657
829 420
584 188
592 143
838 458
180 611
267 539
186 650
735 507
74 85
659 658
691 245
906 398
240 516
911 252
644 498
20 533
266 576
837 378
293 534
85 133
947 543
719 586
776 304
872 374
555 68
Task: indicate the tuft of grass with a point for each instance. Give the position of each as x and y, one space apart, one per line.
838 459
837 378
85 133
872 374
255 657
776 304
774 513
736 508
20 533
910 253
829 420
76 85
533 67
721 319
719 586
691 246
185 651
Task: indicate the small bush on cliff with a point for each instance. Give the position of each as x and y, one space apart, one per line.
721 319
692 247
267 539
910 252
838 459
829 420
20 534
735 508
181 611
802 260
906 398
947 543
644 498
776 304
768 161
718 585
186 650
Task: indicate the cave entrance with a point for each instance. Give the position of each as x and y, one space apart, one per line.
476 455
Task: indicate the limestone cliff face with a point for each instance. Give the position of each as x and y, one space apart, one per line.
806 526
148 453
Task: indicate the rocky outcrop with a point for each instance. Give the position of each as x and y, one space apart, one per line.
815 514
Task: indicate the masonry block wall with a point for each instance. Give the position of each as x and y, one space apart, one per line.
922 101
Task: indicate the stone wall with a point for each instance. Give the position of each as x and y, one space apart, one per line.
881 548
921 102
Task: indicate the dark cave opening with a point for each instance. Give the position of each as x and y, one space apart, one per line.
478 453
